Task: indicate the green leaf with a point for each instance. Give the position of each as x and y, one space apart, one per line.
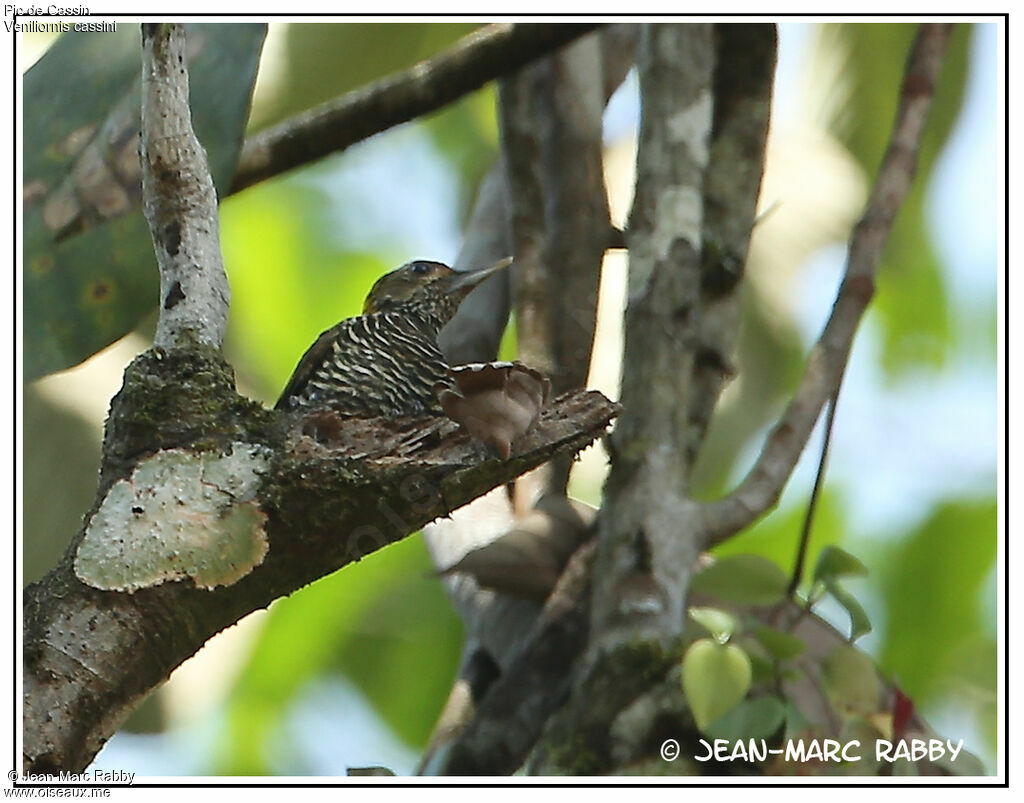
762 670
797 724
835 562
715 678
89 268
719 623
938 580
757 718
742 580
851 681
782 646
859 622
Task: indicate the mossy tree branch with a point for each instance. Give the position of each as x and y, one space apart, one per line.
94 647
92 655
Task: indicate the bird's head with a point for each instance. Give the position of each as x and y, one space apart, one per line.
430 289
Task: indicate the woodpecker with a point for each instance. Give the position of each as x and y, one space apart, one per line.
386 361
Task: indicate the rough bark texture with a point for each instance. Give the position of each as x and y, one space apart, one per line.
631 680
645 546
558 219
550 116
535 682
91 655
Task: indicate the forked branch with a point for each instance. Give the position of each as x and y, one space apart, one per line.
763 486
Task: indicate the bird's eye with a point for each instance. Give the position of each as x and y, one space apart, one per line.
420 268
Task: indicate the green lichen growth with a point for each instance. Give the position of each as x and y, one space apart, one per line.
575 755
577 741
180 398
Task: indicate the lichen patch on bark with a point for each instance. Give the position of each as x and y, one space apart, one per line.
180 514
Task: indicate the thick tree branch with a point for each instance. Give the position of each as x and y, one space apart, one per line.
179 199
762 487
475 332
476 59
523 700
644 550
210 506
499 625
91 655
513 712
744 72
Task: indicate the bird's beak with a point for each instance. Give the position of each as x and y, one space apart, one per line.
464 281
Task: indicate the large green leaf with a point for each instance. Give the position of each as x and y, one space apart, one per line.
932 584
912 300
63 452
89 266
770 359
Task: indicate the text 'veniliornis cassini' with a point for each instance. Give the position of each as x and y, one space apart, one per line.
386 361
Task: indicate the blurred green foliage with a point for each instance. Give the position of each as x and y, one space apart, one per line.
912 299
769 359
69 460
324 61
289 279
383 622
775 536
939 638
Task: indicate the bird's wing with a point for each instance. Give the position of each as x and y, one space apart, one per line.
311 360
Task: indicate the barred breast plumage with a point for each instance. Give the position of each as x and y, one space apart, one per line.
386 361
378 364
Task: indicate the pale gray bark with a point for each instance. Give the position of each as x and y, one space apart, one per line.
646 542
179 199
